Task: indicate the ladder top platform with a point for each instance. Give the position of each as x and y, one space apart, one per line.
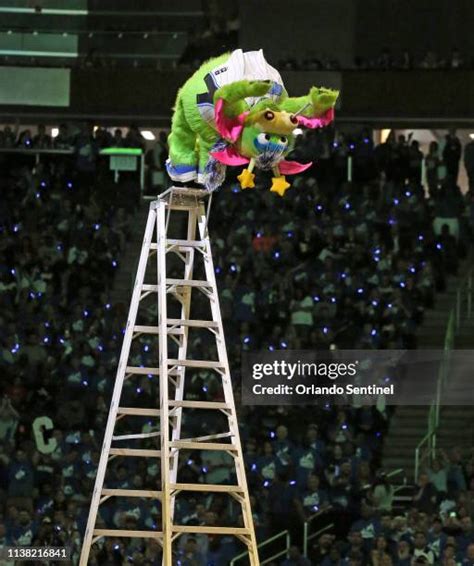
181 196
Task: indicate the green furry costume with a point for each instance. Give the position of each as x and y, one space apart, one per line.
235 110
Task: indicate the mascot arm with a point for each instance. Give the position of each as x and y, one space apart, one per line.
317 102
234 95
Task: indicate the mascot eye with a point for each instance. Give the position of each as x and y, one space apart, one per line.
263 138
293 119
283 139
269 115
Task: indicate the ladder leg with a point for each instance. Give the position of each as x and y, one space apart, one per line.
228 393
99 481
182 352
164 386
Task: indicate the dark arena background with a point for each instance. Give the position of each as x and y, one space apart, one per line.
370 249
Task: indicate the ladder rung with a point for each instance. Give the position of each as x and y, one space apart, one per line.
195 363
138 412
131 534
138 452
202 445
133 493
146 329
210 530
194 323
138 436
187 283
147 287
155 330
142 371
199 404
186 243
206 487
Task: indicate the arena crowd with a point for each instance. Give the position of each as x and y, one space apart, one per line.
334 264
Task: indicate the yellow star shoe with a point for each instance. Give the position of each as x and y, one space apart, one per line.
280 185
246 179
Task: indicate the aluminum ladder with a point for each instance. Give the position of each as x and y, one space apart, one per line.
168 334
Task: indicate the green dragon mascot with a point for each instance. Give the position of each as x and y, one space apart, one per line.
235 110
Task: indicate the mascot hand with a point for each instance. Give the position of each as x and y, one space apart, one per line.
238 91
322 99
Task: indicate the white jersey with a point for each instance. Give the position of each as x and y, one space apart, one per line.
240 65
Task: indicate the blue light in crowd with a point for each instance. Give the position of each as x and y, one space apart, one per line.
139 390
12 271
271 348
378 434
335 144
351 146
325 329
59 247
373 332
235 190
204 388
43 184
315 508
37 195
100 348
316 298
116 547
190 462
96 226
61 341
69 185
333 299
391 221
290 234
319 207
375 303
46 324
266 483
114 263
276 255
32 295
344 426
347 206
283 344
107 306
254 467
217 270
246 339
259 234
85 313
28 142
402 284
293 482
366 140
343 275
150 376
420 237
272 434
412 270
387 380
377 251
85 383
146 348
233 267
16 228
389 305
360 290
204 470
439 246
408 193
46 339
